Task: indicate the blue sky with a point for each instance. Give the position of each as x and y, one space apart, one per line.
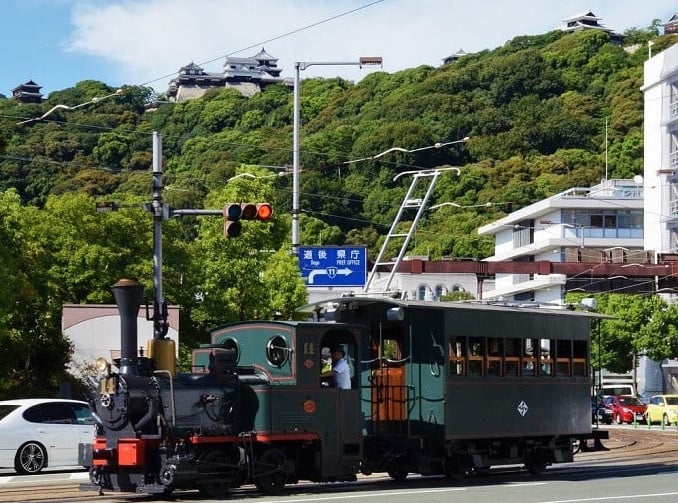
58 43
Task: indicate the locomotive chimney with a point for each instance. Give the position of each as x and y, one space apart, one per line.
127 293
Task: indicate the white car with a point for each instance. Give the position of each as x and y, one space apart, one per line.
40 432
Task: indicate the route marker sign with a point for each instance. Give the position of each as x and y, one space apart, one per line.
333 265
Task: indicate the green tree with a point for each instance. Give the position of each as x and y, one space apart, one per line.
234 277
638 325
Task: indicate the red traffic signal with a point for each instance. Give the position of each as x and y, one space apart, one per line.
264 211
234 212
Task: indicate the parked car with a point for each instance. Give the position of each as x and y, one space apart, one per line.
599 413
40 432
625 409
662 408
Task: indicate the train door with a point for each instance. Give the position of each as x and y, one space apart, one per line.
388 395
341 393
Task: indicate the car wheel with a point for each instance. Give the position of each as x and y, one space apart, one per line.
30 458
665 420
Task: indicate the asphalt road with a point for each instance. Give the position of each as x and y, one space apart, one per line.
639 465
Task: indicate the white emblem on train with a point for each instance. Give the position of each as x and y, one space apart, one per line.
522 408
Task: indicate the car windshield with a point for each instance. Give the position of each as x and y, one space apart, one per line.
6 409
630 400
670 400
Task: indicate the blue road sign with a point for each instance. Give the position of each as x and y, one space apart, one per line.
333 265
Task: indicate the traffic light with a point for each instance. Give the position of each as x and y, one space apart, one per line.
234 212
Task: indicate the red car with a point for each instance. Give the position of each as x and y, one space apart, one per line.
625 409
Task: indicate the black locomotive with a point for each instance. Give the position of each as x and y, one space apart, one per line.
436 388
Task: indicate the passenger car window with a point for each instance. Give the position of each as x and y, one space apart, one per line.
6 409
33 414
82 413
57 413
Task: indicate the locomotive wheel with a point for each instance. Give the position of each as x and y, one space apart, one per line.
270 471
30 458
397 473
214 488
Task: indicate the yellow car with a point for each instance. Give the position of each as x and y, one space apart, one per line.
662 409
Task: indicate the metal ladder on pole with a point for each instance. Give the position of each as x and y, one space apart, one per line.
408 205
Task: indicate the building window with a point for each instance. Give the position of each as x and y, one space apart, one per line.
604 223
523 233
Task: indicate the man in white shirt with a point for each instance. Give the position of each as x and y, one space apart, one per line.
340 372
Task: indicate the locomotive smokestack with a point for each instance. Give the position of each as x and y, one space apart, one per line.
127 293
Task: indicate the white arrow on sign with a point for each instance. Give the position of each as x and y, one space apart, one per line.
331 272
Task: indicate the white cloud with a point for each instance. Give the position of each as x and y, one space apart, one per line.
149 40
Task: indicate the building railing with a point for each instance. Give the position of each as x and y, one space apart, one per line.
673 159
620 189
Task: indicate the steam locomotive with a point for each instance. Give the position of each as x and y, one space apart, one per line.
436 388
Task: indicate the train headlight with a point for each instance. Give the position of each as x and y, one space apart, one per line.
102 366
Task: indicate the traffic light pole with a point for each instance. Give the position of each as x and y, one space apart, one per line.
161 212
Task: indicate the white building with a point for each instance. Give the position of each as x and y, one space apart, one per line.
94 331
660 88
417 278
600 224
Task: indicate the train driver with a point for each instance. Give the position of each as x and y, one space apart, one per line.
339 372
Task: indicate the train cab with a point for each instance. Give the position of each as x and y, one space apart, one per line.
291 411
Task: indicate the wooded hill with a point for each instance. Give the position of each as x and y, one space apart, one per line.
535 110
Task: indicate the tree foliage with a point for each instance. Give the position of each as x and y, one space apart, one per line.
540 111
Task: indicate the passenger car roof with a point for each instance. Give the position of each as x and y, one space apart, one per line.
512 306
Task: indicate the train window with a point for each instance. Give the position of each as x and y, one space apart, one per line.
563 358
579 358
338 357
530 355
495 353
457 355
476 356
277 351
546 357
512 359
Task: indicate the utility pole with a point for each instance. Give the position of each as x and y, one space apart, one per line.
160 213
